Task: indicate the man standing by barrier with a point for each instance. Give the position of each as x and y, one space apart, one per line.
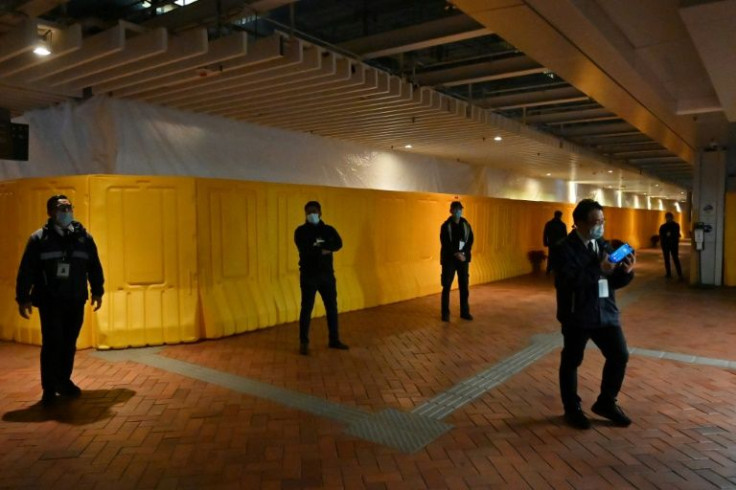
456 240
58 261
586 281
316 242
554 231
669 239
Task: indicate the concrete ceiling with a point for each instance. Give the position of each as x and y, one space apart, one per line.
599 91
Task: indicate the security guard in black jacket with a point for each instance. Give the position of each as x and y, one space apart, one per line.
669 239
456 245
58 261
586 281
316 242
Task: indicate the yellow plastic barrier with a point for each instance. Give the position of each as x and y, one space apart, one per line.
729 241
187 258
146 234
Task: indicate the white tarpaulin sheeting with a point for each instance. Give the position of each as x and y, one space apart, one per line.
113 136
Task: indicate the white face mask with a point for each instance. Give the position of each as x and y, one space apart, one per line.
313 218
596 232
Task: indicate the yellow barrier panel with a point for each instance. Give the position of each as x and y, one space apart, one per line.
187 258
145 229
729 241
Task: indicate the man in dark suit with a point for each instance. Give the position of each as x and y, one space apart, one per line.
554 231
669 239
586 281
316 242
456 245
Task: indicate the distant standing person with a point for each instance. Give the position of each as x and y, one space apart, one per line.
456 239
316 242
554 231
58 262
669 239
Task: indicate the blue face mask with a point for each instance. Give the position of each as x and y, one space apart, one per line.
596 232
64 219
313 218
458 213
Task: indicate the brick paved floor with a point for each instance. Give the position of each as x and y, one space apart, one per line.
138 426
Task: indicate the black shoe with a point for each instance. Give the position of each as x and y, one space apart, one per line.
69 389
576 418
445 317
48 398
466 316
338 345
304 349
613 412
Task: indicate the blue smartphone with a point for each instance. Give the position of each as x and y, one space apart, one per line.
620 253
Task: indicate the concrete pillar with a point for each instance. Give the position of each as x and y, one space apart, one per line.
709 189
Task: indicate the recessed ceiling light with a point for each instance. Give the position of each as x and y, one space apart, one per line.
610 171
548 174
42 51
497 138
408 147
656 185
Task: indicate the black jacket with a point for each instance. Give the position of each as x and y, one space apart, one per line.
554 231
37 280
577 271
450 243
669 234
311 240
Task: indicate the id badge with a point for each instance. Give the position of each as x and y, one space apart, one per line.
462 245
62 270
603 288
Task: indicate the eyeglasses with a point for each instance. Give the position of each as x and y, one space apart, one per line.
64 207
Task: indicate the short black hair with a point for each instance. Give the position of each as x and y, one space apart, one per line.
583 209
669 215
53 202
456 204
313 204
558 214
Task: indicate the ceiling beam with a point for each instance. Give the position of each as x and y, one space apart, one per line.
569 116
487 71
528 99
421 36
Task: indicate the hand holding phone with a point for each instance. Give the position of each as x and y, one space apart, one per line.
620 253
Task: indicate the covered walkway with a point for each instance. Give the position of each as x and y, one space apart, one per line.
414 404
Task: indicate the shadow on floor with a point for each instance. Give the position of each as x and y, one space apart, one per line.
92 406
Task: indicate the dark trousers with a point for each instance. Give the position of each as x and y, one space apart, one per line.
61 322
611 342
448 275
672 250
326 285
